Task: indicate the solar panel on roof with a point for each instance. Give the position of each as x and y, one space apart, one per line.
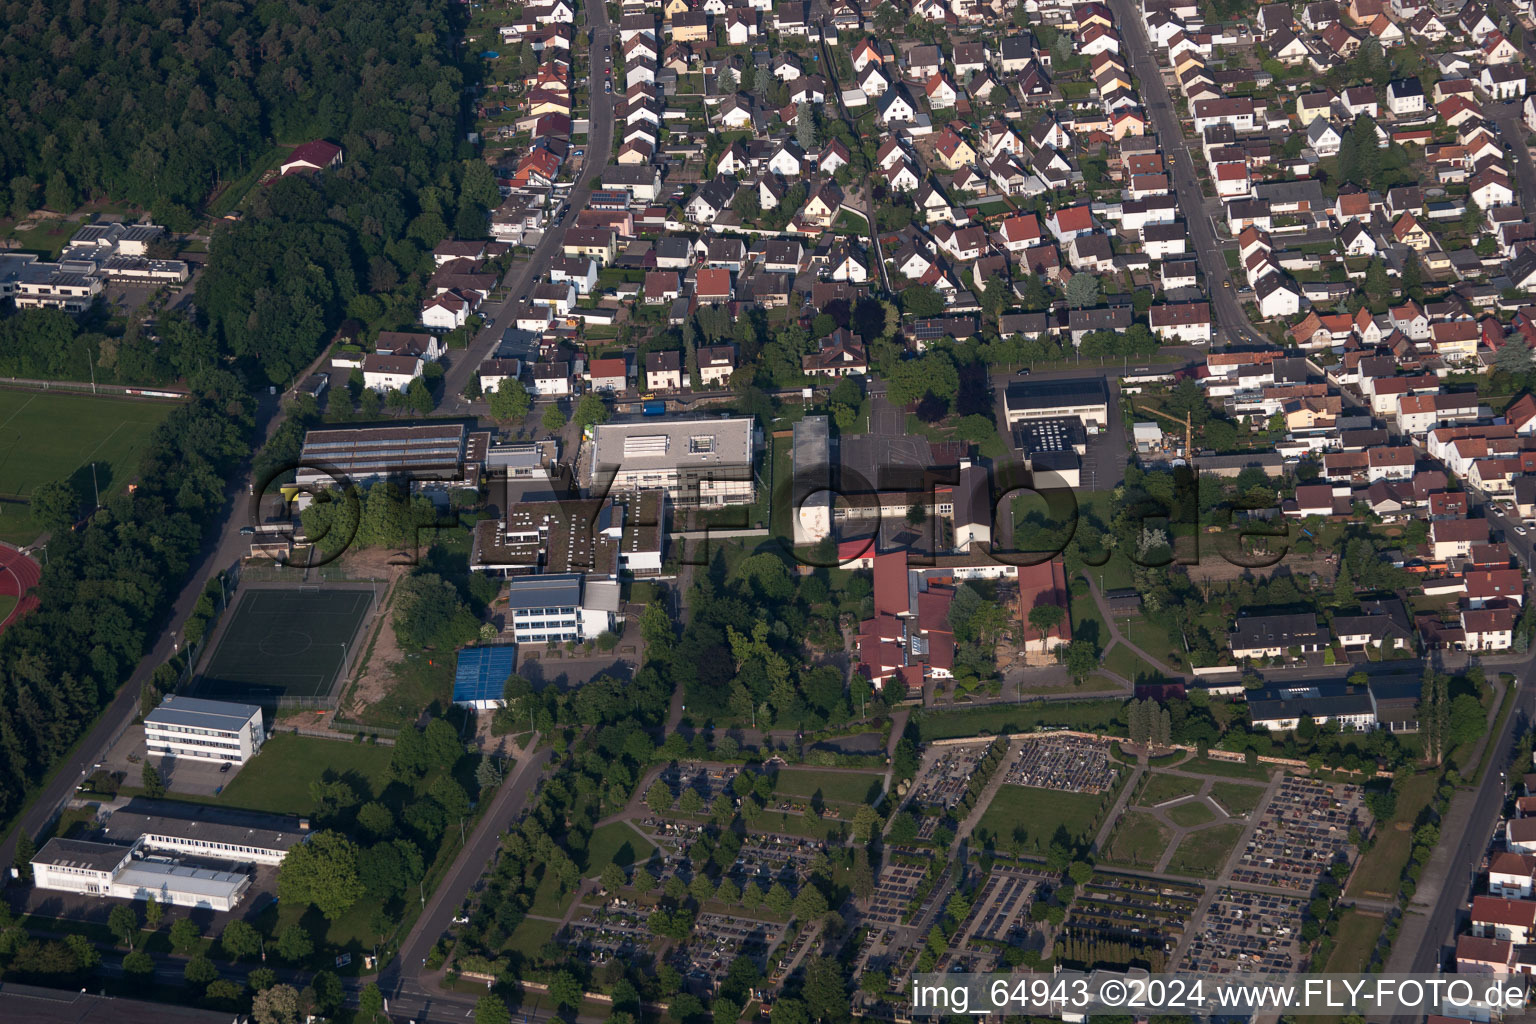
482 673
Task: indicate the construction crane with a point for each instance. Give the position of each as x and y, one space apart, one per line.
1187 422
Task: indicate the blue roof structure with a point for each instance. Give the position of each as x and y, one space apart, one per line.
482 673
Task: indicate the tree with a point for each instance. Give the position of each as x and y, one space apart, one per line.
1472 217
239 941
491 1009
370 1003
553 418
1035 297
509 402
826 992
565 990
322 872
1081 659
1043 618
54 506
419 397
199 972
659 797
293 942
590 411
123 923
805 127
154 912
328 994
922 300
810 904
376 819
154 785
779 899
185 935
1082 291
934 373
87 958
139 966
276 1005
727 80
995 296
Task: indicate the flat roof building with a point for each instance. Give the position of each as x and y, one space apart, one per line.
1086 398
696 462
444 452
1281 708
203 831
180 885
205 730
558 608
116 870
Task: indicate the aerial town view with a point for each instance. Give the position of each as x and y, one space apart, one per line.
725 511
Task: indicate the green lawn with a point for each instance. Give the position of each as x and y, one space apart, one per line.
1380 871
1353 942
1238 800
1226 769
850 223
1152 638
1204 853
548 901
277 779
53 436
1159 788
615 843
1195 812
1138 841
835 787
787 824
7 603
1087 621
1129 665
1023 819
48 237
1089 715
529 936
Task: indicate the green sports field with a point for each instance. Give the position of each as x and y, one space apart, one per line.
52 436
284 642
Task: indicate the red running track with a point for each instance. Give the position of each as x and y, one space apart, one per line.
18 574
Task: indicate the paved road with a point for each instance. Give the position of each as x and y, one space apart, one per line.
1232 324
405 977
523 275
1472 842
1512 127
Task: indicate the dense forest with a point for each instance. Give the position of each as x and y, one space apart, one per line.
105 585
158 104
163 107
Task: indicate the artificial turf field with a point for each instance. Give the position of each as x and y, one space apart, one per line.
285 642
